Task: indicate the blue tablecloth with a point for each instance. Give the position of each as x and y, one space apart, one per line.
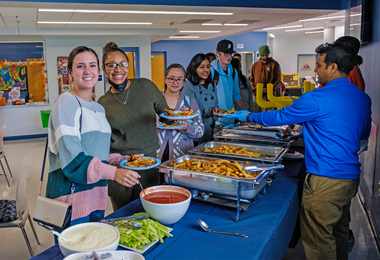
269 224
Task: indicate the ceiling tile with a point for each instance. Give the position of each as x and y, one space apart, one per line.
87 17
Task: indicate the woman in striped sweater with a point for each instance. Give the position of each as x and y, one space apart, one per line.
79 141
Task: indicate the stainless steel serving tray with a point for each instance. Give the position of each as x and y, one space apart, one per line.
249 136
273 154
212 182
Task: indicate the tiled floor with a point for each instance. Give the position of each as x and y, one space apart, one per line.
12 244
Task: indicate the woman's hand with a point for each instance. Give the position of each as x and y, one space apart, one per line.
215 110
183 128
126 177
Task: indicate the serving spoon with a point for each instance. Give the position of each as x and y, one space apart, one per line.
54 232
263 168
206 228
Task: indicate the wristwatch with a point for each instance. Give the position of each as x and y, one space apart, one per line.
248 116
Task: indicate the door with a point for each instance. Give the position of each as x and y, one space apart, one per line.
131 70
305 66
158 69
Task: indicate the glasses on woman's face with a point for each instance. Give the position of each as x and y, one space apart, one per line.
172 80
122 65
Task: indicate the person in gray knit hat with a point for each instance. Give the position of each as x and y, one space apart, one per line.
266 70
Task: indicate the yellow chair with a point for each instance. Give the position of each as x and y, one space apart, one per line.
263 103
283 101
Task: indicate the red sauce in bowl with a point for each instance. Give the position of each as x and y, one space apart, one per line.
166 197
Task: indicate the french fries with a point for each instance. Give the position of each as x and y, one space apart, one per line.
139 162
183 113
225 149
176 124
223 111
223 167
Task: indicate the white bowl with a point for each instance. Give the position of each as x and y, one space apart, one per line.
111 246
166 213
117 255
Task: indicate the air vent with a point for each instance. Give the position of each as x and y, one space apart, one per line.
248 21
198 21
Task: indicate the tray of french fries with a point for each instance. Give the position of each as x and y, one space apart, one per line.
189 171
239 151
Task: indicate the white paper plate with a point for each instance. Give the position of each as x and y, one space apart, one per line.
223 114
178 117
141 251
117 255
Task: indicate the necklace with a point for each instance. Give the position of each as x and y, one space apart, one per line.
126 98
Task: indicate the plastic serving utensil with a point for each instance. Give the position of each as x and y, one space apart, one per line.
53 231
256 168
128 224
140 216
206 228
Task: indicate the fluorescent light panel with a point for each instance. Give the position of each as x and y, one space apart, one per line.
199 31
127 12
183 37
272 35
328 17
226 24
47 22
305 29
314 32
282 27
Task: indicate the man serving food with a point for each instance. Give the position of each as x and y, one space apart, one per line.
333 125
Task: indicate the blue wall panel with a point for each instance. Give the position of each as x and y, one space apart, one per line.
181 51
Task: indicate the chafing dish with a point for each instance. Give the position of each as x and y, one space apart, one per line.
227 187
245 135
271 154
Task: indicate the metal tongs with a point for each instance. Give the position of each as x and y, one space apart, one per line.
256 168
128 224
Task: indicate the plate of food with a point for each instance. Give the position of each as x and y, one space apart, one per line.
138 240
222 112
170 127
170 114
139 163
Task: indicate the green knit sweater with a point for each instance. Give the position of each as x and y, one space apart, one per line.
134 124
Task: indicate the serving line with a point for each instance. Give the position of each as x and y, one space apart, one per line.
269 225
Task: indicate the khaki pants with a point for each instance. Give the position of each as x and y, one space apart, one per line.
324 216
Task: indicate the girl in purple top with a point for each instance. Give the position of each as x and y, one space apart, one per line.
174 143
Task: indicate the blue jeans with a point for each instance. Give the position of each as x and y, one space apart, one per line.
93 217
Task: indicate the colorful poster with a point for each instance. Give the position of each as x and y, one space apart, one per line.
64 81
13 76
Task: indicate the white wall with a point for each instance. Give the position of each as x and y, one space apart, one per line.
26 120
285 51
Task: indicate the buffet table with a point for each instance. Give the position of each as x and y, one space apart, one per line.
269 224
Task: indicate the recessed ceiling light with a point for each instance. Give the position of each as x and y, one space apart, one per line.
328 17
314 32
199 31
226 24
127 12
183 37
305 29
272 35
46 22
282 27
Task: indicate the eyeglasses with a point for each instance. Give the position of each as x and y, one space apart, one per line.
172 80
226 54
122 65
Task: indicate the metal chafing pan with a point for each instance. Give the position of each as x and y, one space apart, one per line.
272 154
249 136
211 182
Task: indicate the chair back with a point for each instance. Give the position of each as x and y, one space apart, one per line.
2 132
21 201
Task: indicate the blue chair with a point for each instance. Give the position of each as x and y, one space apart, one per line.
14 213
2 155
